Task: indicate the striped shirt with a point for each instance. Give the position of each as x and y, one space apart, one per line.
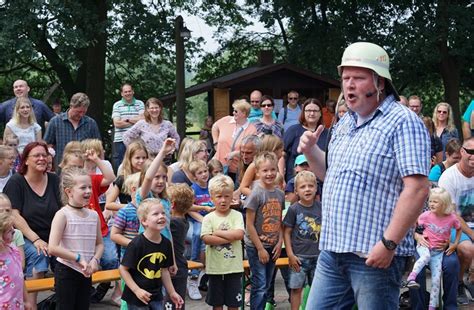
127 221
79 236
123 110
364 179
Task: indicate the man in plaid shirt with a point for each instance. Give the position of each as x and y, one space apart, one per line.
374 187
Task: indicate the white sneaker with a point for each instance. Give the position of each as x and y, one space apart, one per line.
193 290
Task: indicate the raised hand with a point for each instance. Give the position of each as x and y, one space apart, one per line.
169 146
309 139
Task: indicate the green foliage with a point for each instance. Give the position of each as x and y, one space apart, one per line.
45 42
420 36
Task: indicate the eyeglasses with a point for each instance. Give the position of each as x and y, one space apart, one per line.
442 112
469 151
312 111
292 98
266 105
36 156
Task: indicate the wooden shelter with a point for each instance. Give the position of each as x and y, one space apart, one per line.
271 79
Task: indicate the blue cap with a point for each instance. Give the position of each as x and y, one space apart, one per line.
300 159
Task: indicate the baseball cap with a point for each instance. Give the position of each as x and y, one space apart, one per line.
300 159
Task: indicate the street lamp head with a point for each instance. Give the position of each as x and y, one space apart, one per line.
185 32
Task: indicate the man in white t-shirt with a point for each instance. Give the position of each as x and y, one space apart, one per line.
458 180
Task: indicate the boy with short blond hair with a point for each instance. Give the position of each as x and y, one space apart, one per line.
222 232
147 258
264 237
302 227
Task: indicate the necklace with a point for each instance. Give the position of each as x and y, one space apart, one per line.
74 207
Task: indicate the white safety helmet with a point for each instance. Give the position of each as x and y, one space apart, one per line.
370 56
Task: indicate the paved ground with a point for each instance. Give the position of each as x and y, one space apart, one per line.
280 297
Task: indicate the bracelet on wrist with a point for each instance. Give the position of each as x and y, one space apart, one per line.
36 240
78 258
96 260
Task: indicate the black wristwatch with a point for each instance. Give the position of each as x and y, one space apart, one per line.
389 244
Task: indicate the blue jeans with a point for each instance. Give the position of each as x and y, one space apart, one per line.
343 279
261 277
450 267
119 152
197 246
109 259
152 305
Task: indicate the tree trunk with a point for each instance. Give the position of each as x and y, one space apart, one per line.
95 72
449 64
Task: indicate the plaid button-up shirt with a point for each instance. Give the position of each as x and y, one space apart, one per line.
60 131
364 179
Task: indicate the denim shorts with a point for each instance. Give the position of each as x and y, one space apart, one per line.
109 259
464 237
305 275
33 260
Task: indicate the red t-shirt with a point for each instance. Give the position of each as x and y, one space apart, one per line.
327 118
98 190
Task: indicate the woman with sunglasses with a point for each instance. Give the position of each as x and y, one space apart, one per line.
267 125
444 125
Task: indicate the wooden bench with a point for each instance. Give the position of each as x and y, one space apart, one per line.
47 284
281 262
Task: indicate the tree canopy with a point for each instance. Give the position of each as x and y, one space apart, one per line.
94 46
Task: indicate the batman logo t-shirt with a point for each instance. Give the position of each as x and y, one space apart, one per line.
145 260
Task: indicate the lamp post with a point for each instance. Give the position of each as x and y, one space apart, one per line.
181 32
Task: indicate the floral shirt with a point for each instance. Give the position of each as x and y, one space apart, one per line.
11 279
153 136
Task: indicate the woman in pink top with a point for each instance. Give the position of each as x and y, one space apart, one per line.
228 133
437 224
76 241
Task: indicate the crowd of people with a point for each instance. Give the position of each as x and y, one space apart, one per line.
338 188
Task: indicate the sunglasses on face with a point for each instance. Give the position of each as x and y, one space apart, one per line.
266 105
292 98
469 151
442 112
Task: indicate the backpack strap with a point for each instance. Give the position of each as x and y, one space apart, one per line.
285 113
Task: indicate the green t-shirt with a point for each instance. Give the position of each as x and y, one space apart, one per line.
225 258
18 239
